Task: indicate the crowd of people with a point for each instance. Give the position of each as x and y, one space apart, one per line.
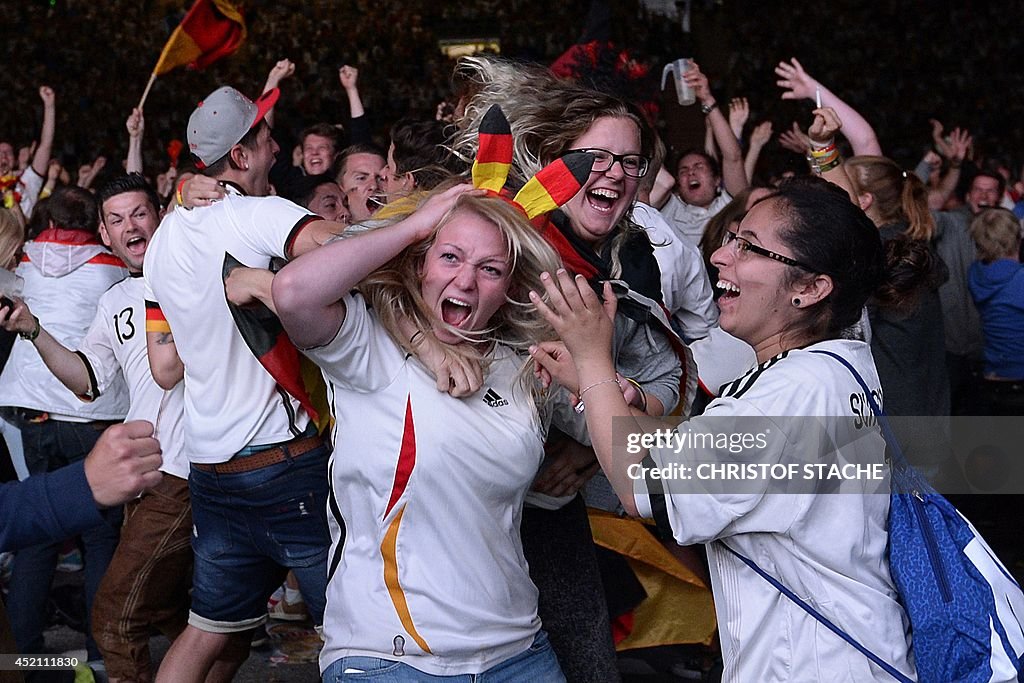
390 363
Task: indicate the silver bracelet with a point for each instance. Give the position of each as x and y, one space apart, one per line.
579 407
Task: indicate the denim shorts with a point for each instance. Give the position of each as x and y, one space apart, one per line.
536 664
249 529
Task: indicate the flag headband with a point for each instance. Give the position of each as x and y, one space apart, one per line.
552 186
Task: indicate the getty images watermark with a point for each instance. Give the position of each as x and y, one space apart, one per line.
846 454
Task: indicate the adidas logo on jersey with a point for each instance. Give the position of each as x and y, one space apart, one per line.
494 399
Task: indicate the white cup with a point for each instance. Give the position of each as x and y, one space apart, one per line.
684 93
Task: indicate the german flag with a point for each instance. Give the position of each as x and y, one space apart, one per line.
266 338
494 154
555 184
155 320
210 30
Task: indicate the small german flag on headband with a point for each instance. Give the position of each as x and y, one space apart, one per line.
494 153
555 184
155 320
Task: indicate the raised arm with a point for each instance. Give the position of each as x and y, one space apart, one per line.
585 325
308 291
739 112
349 78
733 175
826 159
280 71
954 151
135 125
799 85
42 156
759 137
87 172
663 185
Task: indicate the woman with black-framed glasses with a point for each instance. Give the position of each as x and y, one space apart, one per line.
595 237
795 275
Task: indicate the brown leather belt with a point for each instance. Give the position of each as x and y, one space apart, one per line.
271 456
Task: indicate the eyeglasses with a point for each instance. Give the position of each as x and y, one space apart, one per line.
633 165
744 246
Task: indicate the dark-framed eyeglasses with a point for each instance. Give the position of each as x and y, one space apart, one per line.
633 165
744 246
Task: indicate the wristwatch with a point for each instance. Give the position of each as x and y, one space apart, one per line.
706 108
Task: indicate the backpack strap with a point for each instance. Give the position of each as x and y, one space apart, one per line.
779 586
821 618
883 421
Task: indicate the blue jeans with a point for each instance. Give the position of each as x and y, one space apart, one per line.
51 445
249 529
536 664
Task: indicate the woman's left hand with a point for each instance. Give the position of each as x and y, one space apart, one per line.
581 320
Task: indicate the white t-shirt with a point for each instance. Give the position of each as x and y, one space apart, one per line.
231 401
65 274
684 279
30 184
429 490
828 548
688 221
114 350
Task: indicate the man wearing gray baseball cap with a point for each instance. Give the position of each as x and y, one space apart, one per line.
258 476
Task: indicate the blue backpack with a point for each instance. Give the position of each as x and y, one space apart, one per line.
965 609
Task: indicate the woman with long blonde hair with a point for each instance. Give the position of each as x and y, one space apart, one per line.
427 576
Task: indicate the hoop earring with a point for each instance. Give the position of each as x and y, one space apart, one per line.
796 301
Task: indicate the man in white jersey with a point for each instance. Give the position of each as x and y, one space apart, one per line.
147 581
258 476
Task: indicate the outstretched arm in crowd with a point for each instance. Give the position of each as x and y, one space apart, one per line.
759 137
308 291
954 151
739 112
87 172
66 365
663 184
135 125
53 171
42 156
795 140
733 175
800 86
349 78
359 124
827 161
282 70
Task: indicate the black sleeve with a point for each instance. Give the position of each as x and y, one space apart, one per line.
359 131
